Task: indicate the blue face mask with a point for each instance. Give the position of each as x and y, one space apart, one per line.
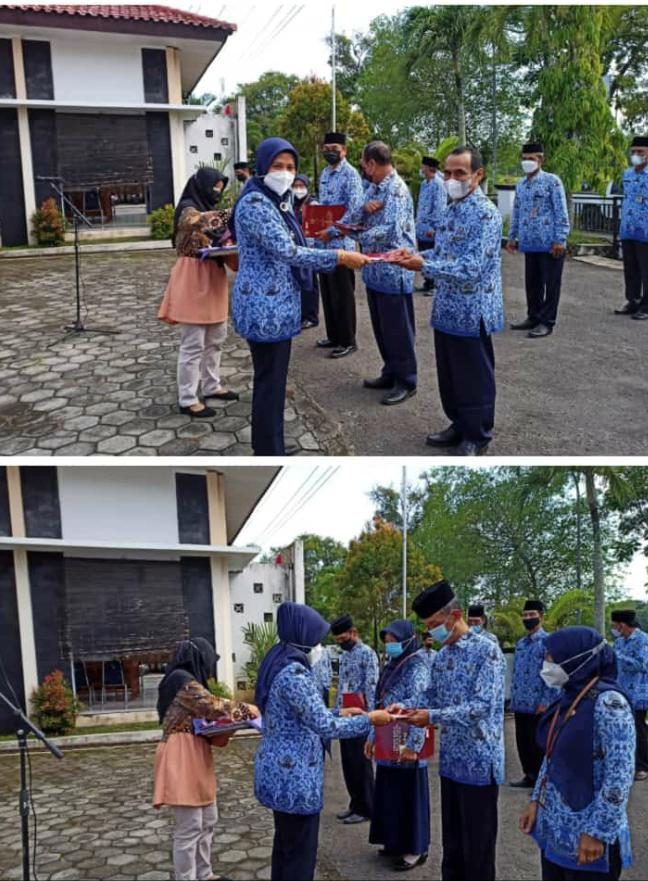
440 633
476 628
394 649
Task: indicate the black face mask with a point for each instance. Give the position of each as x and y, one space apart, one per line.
241 178
530 623
347 645
332 156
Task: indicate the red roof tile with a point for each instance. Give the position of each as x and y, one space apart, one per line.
163 14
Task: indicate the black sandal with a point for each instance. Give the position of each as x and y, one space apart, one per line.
205 413
224 396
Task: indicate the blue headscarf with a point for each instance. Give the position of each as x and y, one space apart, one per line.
571 769
402 631
300 628
265 156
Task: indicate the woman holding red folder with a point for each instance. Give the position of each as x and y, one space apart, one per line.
401 812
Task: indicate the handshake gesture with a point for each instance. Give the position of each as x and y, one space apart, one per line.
376 717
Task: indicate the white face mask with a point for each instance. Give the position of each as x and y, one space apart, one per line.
554 676
456 189
615 633
530 165
316 654
300 194
279 181
636 159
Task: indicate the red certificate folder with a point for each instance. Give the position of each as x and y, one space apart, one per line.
390 738
317 218
352 699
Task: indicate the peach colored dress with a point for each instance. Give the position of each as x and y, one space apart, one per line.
184 768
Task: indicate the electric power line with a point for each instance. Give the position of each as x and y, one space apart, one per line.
259 539
323 480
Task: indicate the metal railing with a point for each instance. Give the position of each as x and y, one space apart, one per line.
599 215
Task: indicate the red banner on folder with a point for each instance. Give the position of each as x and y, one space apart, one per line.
317 218
390 738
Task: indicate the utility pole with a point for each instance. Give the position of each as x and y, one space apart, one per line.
404 507
494 120
333 65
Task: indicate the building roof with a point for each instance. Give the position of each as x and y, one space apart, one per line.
153 13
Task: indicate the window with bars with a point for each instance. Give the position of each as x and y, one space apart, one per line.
239 607
257 587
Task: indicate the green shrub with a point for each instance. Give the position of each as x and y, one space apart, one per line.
219 689
54 706
48 224
260 638
161 222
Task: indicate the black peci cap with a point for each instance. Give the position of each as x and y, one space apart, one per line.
341 625
335 138
432 599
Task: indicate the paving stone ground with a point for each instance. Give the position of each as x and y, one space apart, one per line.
116 394
95 821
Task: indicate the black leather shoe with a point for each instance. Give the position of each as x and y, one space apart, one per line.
343 351
325 344
402 865
378 382
307 324
640 315
428 292
397 395
205 413
539 331
527 324
470 448
524 783
343 815
448 438
629 309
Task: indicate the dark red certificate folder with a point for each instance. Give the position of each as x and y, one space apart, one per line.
317 218
390 738
353 699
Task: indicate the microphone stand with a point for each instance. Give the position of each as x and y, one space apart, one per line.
77 217
24 727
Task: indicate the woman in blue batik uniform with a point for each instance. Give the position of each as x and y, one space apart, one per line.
578 810
289 764
401 813
275 266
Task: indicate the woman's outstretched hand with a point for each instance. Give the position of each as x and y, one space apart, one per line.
254 711
379 718
352 259
347 712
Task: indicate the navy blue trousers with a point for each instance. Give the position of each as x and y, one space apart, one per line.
425 245
543 276
310 303
401 815
270 362
552 872
358 776
294 849
392 319
468 830
635 267
466 374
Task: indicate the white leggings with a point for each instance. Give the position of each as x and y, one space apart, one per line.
199 360
192 842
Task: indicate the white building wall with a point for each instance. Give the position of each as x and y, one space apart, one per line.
200 149
94 69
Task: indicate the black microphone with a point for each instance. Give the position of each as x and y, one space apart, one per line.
41 177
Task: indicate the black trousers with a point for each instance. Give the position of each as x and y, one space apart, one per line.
543 275
338 302
358 776
641 754
635 270
392 319
294 849
468 831
552 872
270 362
310 303
423 245
528 750
466 374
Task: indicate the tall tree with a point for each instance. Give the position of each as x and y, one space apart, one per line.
350 55
265 100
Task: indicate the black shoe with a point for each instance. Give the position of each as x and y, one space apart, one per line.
640 315
401 864
307 324
539 331
629 309
527 324
325 344
524 783
354 819
343 351
397 395
378 382
470 448
205 413
448 438
343 815
229 395
428 292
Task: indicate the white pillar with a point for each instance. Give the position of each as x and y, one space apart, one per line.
298 571
241 129
23 588
221 598
29 190
176 122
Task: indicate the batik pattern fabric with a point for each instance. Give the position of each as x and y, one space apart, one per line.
358 674
323 672
266 301
196 702
199 229
428 659
432 202
289 763
634 209
540 217
340 185
490 636
558 827
389 228
466 265
466 699
405 688
528 691
632 661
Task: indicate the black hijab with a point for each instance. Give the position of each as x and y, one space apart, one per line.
405 633
194 661
199 193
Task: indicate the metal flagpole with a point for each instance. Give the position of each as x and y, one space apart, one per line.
405 513
333 65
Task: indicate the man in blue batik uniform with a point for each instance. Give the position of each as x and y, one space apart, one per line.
432 202
539 228
468 308
339 184
530 697
466 700
478 622
631 649
358 676
634 231
388 214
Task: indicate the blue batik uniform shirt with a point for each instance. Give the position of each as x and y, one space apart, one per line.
466 265
634 210
323 672
358 674
528 691
632 661
428 658
466 699
432 202
540 217
340 185
405 688
558 827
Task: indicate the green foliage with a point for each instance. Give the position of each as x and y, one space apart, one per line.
219 689
161 222
54 706
260 638
349 56
323 559
48 224
266 100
